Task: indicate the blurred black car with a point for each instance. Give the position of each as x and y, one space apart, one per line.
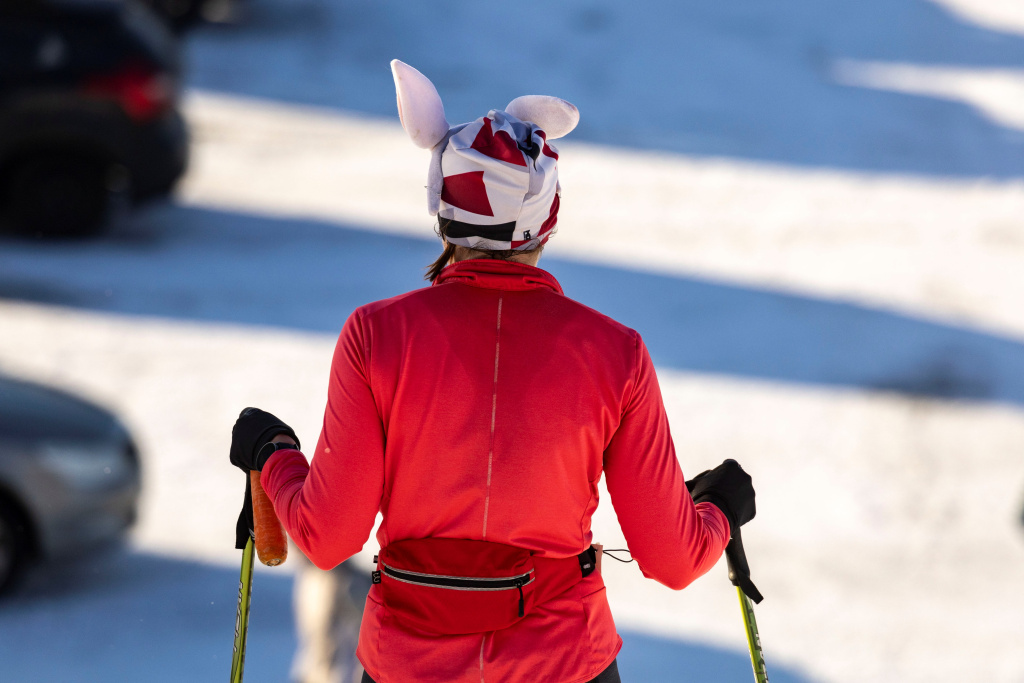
89 92
69 476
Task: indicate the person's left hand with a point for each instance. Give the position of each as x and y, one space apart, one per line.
728 487
253 430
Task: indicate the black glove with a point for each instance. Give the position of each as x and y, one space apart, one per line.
729 489
253 430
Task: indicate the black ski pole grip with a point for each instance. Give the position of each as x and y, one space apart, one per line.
739 570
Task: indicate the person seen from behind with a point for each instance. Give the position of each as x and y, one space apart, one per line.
478 415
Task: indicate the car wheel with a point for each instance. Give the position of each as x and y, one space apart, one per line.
13 545
57 195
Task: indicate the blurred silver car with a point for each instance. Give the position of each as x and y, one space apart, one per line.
69 476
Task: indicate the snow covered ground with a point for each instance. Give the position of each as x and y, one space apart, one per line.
816 221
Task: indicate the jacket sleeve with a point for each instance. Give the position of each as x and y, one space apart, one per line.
328 507
672 540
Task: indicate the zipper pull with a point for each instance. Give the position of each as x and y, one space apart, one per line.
522 602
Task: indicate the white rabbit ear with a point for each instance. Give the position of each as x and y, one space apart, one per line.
419 106
553 115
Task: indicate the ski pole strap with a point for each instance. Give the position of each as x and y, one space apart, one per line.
739 570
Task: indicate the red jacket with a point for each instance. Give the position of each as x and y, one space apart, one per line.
488 407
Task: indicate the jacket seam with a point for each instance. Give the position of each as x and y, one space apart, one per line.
364 338
494 416
636 368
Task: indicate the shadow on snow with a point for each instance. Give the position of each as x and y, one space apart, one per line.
199 264
742 79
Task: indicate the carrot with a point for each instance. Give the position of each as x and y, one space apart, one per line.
271 543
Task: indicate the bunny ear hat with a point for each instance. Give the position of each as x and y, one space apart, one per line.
496 178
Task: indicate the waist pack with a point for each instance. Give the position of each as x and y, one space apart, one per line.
452 586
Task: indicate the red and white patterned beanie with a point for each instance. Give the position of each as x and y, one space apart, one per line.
495 179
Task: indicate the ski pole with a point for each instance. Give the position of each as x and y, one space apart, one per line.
267 539
242 614
739 575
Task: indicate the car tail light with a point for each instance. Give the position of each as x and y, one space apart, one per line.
142 92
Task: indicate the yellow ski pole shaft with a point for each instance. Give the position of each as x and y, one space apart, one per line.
753 639
739 575
242 615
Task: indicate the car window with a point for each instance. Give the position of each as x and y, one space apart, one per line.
42 53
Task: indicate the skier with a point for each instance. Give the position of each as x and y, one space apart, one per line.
477 416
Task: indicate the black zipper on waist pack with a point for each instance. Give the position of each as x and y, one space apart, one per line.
463 583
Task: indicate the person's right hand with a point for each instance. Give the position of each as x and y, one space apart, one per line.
253 430
729 489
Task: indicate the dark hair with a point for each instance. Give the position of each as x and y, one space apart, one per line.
435 268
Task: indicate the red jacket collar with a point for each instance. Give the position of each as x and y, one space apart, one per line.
498 274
